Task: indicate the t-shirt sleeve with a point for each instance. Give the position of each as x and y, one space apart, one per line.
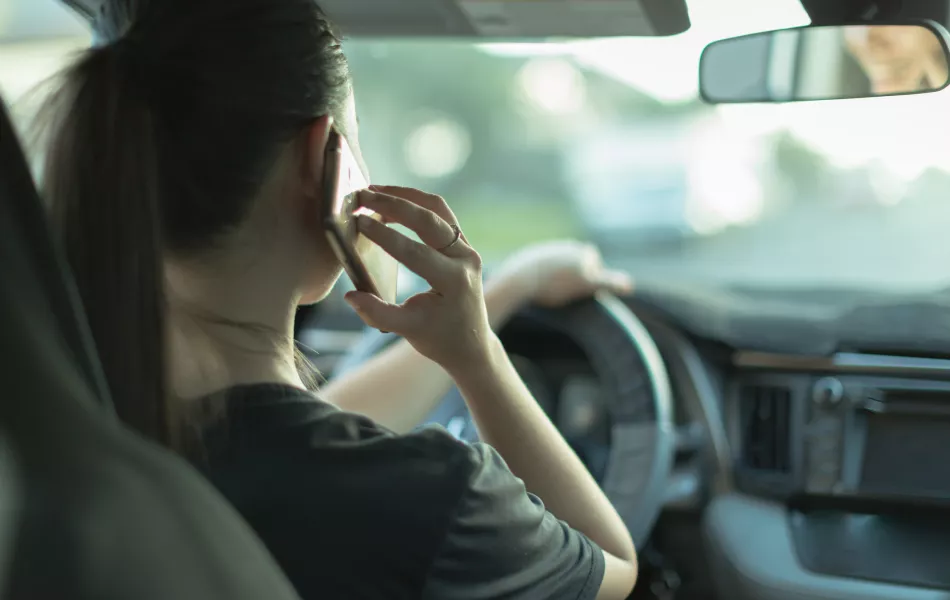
502 544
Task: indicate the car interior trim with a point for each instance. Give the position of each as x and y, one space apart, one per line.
9 508
845 362
904 548
752 555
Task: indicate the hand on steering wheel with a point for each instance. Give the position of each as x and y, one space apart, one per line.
449 323
554 274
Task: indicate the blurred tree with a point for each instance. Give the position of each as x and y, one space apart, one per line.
511 187
399 85
804 174
933 187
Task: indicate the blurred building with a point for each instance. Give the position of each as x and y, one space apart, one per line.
667 179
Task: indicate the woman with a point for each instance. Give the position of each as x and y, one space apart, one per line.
898 59
183 171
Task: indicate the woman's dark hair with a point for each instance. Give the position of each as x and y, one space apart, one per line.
157 142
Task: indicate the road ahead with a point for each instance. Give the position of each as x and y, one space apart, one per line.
904 246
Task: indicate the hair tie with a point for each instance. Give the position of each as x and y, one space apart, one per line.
132 65
115 34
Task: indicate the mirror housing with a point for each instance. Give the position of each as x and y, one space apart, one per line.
826 62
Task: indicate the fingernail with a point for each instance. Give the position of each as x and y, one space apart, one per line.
362 221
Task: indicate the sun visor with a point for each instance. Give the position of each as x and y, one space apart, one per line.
509 19
494 19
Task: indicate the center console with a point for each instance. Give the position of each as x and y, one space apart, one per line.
848 474
877 439
842 436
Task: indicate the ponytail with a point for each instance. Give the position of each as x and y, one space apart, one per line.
101 179
157 142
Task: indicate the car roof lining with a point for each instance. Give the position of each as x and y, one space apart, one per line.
819 11
438 18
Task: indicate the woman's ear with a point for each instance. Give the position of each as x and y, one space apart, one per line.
308 200
315 149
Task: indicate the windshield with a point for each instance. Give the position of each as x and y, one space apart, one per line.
606 140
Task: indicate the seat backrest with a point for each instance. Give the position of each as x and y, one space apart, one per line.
9 498
87 508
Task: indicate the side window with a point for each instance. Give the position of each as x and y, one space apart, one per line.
24 67
37 39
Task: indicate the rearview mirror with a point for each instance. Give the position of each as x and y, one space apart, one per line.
826 63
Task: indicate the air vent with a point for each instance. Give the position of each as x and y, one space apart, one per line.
765 412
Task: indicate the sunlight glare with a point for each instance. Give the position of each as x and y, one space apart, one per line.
554 85
438 148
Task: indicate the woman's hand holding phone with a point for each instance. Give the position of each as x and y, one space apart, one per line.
449 323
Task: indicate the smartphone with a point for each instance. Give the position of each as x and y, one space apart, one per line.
367 265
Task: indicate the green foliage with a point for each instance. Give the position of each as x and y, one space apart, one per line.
512 189
803 170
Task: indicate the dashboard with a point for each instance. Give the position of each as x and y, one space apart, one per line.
851 454
799 471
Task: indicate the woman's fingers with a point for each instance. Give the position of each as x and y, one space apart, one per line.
443 258
436 204
617 282
382 315
423 260
432 229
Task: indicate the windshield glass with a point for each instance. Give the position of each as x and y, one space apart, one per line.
606 140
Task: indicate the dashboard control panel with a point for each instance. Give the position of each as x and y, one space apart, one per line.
843 435
823 437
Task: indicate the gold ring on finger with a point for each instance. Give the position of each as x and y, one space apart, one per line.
455 240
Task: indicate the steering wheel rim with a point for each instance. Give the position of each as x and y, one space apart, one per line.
629 365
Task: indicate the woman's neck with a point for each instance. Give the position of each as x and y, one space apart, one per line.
209 354
227 331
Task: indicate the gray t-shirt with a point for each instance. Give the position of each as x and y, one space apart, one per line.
351 510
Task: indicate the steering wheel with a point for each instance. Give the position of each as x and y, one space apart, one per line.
637 399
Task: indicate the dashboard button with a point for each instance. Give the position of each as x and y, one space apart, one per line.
828 392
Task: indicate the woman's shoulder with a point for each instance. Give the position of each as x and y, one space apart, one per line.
322 486
277 418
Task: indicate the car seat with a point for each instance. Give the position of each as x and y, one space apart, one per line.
87 508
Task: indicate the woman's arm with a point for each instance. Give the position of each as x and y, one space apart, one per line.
550 274
413 384
450 324
511 421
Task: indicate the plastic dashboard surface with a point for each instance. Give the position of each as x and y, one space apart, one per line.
752 553
909 549
880 432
